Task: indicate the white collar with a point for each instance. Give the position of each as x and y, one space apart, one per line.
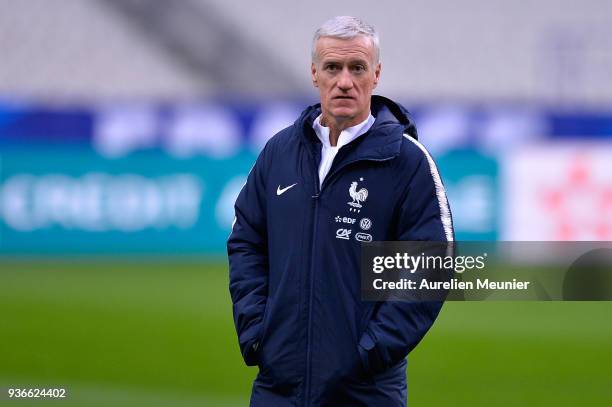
346 136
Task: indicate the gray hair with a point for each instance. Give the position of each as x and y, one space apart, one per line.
346 28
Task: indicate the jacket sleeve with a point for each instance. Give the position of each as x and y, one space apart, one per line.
248 261
397 327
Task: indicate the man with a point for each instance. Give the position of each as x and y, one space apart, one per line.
349 170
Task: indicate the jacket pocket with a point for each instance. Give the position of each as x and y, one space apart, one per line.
265 330
370 354
279 356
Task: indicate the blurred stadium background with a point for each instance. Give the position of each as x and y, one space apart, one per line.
127 128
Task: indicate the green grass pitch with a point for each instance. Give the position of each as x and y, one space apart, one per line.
153 333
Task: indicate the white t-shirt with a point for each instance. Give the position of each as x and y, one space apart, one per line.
328 152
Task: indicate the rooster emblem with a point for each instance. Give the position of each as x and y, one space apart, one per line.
358 196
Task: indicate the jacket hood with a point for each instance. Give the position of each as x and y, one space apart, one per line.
388 112
384 138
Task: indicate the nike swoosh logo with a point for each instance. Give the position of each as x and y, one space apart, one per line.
280 191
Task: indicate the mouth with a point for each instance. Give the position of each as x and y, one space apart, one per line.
343 97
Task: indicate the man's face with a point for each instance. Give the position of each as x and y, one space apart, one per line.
346 73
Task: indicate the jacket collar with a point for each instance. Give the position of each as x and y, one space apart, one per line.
381 142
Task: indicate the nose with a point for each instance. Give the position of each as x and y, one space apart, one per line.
345 81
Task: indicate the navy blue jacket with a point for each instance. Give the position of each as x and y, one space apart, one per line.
294 258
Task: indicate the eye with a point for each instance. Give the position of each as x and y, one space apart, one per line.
331 67
359 68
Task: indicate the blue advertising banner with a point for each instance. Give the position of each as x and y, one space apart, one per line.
471 181
74 201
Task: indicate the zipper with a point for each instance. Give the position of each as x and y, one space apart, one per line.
315 198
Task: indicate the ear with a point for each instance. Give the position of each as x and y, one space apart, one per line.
314 74
377 73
